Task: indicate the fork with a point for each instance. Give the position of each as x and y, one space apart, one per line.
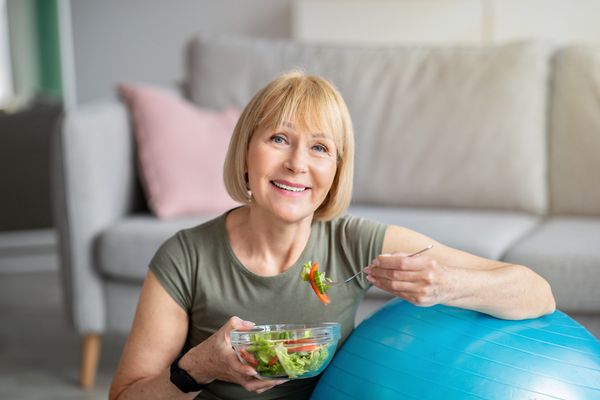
334 284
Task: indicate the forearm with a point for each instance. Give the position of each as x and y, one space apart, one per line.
156 387
509 291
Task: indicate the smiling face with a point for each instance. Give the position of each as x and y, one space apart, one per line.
290 170
296 135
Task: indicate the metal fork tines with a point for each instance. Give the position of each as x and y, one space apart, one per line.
333 284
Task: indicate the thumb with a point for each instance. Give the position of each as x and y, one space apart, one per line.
238 323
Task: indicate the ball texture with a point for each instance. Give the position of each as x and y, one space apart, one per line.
408 352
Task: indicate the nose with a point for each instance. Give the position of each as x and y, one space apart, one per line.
296 162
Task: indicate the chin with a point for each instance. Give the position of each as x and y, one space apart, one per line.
293 215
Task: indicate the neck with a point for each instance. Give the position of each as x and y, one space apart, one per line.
264 245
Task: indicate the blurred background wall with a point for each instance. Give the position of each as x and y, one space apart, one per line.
55 54
144 40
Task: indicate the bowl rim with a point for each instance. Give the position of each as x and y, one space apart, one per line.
288 327
319 331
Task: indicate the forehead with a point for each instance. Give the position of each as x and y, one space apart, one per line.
315 111
315 132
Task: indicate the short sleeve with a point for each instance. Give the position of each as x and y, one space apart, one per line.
173 269
362 240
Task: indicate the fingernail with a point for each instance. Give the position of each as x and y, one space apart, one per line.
375 262
370 279
249 324
251 373
279 382
367 270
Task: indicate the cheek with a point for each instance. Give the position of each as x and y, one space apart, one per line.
254 162
327 172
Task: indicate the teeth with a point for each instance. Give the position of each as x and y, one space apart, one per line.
285 187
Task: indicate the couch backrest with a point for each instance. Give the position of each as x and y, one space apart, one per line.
575 132
439 127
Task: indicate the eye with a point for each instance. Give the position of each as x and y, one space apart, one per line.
278 139
320 148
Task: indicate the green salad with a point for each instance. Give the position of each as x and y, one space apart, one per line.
276 354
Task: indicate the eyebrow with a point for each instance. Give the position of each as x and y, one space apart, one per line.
288 124
292 126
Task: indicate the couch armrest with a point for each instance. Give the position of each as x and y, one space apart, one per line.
94 184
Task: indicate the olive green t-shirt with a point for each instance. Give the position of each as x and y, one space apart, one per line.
198 268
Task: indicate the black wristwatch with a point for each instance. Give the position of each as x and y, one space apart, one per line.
182 379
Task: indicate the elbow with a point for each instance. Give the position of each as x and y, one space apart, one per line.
115 392
120 386
546 304
550 301
542 304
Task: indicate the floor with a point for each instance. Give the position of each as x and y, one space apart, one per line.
39 353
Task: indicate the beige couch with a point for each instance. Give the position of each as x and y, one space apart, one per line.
492 150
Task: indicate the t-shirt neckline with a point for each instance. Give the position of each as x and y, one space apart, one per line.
294 269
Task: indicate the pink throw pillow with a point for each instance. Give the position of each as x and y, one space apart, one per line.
181 150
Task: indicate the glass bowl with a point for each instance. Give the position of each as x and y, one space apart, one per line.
290 351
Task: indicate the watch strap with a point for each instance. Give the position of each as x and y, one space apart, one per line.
182 379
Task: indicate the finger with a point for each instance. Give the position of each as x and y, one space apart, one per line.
234 323
238 367
412 293
259 391
403 262
273 384
244 370
394 274
254 385
396 287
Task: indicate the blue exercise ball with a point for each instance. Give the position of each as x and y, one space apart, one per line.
409 352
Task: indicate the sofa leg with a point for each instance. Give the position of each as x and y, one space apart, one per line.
90 354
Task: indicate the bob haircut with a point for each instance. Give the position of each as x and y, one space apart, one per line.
311 103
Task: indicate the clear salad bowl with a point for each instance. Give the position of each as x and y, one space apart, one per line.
290 351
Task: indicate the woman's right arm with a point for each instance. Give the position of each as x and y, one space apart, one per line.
157 336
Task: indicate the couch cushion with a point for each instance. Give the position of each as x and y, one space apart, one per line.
485 233
575 132
434 125
124 250
565 251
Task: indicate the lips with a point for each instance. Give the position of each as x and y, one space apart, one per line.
289 186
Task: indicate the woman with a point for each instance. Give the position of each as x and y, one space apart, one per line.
290 164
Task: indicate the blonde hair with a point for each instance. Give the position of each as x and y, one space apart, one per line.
310 102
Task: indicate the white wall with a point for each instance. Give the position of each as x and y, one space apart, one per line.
144 40
389 21
446 21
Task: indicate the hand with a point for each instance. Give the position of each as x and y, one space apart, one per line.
215 359
421 280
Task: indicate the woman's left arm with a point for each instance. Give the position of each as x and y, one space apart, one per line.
444 275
